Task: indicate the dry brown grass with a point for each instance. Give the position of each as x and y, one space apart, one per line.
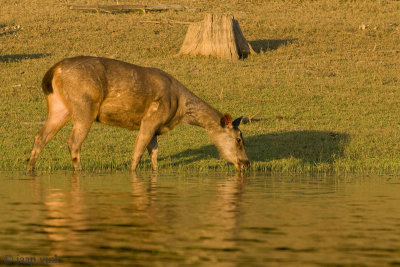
326 80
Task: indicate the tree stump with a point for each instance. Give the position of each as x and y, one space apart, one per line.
218 36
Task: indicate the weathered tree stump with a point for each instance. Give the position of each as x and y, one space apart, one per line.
218 36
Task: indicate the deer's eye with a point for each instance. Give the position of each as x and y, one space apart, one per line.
239 140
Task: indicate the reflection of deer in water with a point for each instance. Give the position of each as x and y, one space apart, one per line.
88 89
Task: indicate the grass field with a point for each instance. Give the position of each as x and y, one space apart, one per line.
326 81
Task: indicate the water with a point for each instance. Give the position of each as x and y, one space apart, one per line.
121 219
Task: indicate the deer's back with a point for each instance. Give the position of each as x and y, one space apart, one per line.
121 92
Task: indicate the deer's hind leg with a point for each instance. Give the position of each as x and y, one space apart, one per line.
84 114
58 115
79 132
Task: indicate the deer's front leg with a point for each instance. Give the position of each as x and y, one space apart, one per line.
147 136
142 141
152 148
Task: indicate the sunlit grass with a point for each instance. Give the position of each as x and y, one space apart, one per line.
326 81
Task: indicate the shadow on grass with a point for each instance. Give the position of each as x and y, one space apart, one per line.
19 57
271 44
309 146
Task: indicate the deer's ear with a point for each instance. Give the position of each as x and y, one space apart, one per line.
237 122
226 120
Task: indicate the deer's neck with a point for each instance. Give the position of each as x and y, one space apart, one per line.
199 113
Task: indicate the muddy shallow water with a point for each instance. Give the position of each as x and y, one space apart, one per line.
168 219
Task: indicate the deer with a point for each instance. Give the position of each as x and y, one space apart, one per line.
86 89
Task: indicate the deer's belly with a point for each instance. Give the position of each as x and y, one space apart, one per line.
122 112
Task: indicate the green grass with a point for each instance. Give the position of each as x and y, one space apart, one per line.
327 81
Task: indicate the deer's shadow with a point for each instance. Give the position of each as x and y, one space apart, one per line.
308 146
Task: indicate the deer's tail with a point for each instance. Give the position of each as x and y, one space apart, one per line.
47 81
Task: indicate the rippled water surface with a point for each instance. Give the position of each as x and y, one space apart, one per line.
159 220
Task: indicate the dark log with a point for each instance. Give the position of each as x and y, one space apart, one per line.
127 8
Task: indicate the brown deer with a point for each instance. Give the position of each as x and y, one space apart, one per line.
87 89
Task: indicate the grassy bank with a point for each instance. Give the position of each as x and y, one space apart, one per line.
326 80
